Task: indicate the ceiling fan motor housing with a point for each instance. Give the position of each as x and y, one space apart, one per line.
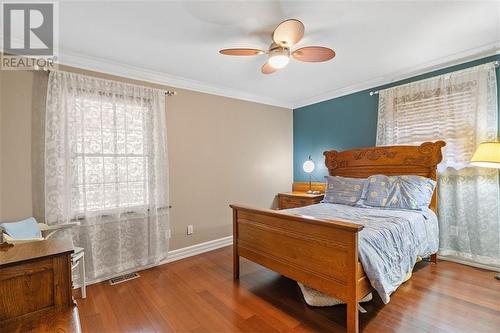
275 49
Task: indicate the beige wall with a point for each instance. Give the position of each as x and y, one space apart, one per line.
15 138
221 150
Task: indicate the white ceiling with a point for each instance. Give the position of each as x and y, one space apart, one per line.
178 42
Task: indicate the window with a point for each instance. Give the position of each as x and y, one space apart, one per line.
110 157
461 109
458 107
436 114
106 165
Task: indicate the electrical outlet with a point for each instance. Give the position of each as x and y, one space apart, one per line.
190 229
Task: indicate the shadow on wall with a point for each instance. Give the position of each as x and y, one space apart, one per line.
40 81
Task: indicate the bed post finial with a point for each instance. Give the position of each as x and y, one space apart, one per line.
330 160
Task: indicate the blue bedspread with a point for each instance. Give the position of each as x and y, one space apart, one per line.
389 243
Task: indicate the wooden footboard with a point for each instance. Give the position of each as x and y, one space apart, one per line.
322 254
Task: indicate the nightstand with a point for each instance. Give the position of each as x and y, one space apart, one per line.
297 199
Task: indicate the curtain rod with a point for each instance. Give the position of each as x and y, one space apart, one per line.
496 63
167 92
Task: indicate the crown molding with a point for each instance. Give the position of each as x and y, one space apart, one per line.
132 72
120 69
106 66
451 60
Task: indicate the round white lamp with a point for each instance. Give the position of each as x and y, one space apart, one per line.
487 155
309 167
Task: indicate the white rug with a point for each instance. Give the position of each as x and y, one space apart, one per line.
314 297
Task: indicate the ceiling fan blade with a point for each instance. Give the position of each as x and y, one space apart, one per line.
241 52
267 69
313 54
288 33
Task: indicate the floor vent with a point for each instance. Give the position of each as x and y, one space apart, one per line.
123 278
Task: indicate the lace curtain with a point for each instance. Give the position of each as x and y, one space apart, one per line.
106 167
461 109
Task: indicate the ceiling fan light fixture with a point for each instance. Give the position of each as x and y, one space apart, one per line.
278 61
279 57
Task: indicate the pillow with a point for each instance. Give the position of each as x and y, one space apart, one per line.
25 229
342 190
398 192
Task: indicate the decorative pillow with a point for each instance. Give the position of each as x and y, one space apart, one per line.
25 229
342 190
398 192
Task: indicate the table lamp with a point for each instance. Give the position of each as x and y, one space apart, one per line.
487 155
308 167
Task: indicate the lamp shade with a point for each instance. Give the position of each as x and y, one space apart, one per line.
487 155
308 166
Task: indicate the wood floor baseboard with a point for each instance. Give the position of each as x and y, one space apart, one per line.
468 263
196 249
174 255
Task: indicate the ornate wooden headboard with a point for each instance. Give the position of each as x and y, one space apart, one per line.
389 160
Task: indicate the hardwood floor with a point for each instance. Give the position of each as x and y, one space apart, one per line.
198 294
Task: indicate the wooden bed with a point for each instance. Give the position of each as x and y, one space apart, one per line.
323 254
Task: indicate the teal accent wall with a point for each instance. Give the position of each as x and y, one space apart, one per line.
347 122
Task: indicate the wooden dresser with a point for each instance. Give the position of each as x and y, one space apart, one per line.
36 287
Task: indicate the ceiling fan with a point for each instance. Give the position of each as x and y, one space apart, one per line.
287 34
